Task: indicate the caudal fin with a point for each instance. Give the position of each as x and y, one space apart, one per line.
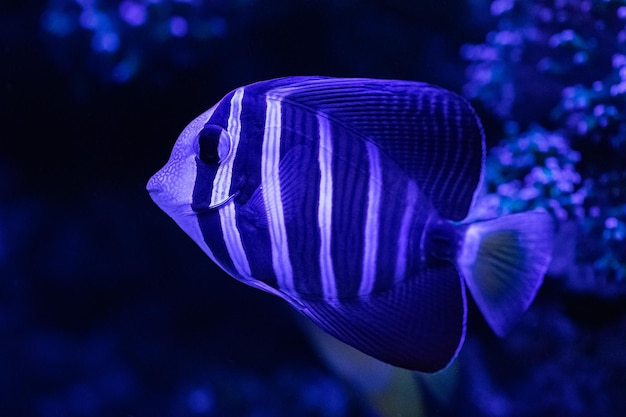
503 262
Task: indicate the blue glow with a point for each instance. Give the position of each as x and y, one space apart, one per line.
86 3
611 223
138 28
618 89
201 401
178 26
133 13
500 6
125 70
105 42
90 19
58 23
581 57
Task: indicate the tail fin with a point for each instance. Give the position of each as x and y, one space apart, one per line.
503 262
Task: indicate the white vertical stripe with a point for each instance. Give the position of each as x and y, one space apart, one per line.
325 209
270 180
232 238
221 187
372 220
405 229
224 174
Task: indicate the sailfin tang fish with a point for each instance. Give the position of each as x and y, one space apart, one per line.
346 198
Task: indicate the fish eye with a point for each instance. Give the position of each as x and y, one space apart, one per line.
213 144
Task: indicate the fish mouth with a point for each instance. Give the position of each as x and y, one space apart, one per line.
153 186
153 193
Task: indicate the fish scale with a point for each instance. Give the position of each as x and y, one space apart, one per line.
345 197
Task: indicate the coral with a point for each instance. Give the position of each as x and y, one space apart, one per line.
604 225
119 40
531 171
540 47
568 59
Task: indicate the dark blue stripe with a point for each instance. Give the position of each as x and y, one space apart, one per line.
205 174
392 209
350 175
212 232
300 199
246 180
222 112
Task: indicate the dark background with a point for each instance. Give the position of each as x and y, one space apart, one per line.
106 307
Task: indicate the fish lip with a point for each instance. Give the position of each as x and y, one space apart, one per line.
154 185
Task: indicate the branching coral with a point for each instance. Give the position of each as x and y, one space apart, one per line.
562 64
534 170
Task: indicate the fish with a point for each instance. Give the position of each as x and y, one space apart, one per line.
347 198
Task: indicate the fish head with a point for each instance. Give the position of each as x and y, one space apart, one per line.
187 185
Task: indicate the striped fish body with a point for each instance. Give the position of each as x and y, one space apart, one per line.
339 196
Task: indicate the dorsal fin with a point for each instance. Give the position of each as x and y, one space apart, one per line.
431 133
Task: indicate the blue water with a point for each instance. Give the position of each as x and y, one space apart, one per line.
106 308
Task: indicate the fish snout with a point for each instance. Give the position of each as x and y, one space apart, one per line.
155 184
